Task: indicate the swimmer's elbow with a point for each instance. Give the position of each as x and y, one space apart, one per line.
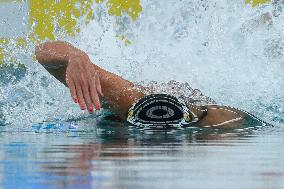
38 54
37 51
42 53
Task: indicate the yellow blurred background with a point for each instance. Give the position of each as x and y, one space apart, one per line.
45 15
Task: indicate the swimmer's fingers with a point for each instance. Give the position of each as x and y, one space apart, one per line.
94 93
80 95
72 89
98 85
86 95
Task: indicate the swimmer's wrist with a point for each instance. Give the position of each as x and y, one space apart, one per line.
75 53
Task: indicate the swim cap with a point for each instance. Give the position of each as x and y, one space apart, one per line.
160 111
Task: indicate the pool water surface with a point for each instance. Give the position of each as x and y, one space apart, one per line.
113 155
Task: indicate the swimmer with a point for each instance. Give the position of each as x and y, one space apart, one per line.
169 105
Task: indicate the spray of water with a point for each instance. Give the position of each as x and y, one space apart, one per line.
231 51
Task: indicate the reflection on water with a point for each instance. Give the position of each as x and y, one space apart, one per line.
113 155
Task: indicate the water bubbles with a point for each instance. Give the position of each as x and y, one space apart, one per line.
54 127
73 125
274 48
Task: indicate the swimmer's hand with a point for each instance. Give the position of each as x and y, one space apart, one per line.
83 81
72 67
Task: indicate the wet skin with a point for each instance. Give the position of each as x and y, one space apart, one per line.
88 83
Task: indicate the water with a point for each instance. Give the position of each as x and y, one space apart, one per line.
114 156
229 50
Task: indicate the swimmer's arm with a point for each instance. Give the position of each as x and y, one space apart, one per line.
72 67
118 92
53 56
